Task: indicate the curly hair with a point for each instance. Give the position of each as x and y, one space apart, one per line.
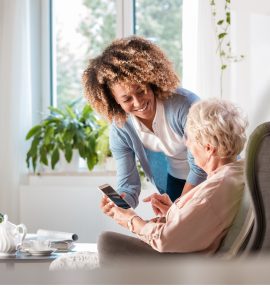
131 60
219 123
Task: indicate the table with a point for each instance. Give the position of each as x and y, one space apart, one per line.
189 270
26 258
27 269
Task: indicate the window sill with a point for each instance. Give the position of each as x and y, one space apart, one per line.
76 178
74 173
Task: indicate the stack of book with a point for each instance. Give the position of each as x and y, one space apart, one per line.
61 241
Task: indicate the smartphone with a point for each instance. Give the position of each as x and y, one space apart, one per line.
113 196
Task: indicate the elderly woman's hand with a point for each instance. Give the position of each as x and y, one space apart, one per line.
120 215
160 203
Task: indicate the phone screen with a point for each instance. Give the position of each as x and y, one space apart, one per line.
114 196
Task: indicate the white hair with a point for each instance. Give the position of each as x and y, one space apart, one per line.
219 123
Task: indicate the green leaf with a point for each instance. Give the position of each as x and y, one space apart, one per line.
68 152
70 112
228 17
222 53
68 135
51 120
82 150
221 35
80 137
28 156
56 110
34 162
1 217
34 146
55 157
228 1
91 143
48 137
36 129
43 155
220 22
91 161
223 66
86 111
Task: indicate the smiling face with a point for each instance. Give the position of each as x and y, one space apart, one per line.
135 100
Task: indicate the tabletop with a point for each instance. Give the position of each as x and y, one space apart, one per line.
25 257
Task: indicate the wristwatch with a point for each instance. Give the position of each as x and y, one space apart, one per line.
130 223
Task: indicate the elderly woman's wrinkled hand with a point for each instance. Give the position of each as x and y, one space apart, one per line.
120 215
160 203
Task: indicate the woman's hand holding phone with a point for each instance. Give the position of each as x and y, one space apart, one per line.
113 195
160 203
120 215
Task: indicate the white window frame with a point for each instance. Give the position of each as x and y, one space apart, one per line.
46 55
124 18
124 27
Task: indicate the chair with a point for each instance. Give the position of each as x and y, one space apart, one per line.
239 233
250 230
258 182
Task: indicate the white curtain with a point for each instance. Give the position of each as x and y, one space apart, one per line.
200 62
15 101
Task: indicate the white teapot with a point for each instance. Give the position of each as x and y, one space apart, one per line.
11 236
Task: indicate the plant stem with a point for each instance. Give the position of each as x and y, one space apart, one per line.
221 83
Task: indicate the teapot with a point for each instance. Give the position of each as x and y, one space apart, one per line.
11 237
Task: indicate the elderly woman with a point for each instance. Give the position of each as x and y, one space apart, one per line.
133 85
197 221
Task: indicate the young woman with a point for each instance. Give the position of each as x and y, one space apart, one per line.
133 85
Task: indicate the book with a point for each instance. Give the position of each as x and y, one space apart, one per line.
56 235
62 241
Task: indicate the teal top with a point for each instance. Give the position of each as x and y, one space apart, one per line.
126 146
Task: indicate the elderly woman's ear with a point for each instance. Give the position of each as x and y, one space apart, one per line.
210 149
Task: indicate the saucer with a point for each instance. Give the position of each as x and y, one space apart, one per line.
6 255
46 252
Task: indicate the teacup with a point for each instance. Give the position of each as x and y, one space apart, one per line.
36 245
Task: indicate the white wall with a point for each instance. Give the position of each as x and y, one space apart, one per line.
251 78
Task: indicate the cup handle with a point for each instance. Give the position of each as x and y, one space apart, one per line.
22 230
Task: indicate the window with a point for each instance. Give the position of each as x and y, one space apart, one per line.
82 28
162 24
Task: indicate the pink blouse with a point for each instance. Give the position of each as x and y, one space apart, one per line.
199 220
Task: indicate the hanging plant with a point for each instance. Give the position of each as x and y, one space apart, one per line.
222 26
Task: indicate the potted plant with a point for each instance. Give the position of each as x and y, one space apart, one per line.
64 131
1 217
